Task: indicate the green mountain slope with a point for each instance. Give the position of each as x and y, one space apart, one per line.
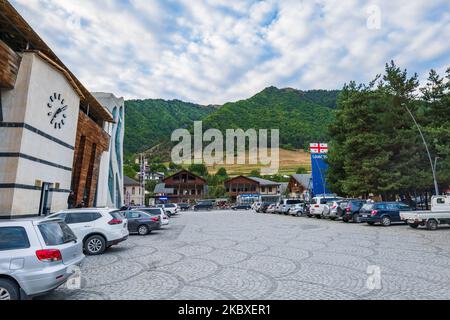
301 116
150 122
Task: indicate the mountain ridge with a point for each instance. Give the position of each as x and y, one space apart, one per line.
300 115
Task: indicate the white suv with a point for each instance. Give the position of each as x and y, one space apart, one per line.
99 229
171 208
320 205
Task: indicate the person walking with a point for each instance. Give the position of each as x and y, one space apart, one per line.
71 200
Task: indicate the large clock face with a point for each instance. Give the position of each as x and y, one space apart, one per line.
57 111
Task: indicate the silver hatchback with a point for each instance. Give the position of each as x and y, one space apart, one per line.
36 257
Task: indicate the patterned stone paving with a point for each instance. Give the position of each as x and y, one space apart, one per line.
243 255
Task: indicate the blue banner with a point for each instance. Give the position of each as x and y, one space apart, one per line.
319 174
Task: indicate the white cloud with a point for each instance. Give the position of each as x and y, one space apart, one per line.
213 51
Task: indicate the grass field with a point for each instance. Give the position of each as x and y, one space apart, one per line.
290 161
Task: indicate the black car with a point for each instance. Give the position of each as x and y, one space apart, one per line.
351 213
142 222
241 207
204 205
384 213
184 206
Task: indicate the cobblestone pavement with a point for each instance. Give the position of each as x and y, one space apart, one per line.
243 255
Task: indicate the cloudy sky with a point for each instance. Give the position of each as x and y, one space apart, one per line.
214 51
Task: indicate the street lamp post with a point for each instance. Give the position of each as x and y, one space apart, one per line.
433 165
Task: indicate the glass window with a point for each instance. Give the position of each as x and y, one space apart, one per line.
367 207
81 217
440 201
153 211
133 215
56 233
115 215
13 238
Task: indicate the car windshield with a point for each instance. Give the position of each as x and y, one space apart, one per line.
56 233
170 205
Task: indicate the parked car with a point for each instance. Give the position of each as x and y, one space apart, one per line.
256 206
171 208
204 205
384 213
241 207
271 208
286 204
97 228
337 209
184 206
320 206
157 211
352 211
36 257
263 207
297 209
142 222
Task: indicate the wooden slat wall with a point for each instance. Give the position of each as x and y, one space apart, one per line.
9 66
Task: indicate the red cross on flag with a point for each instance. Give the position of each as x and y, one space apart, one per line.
318 148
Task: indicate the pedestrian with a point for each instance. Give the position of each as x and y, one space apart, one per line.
80 205
71 200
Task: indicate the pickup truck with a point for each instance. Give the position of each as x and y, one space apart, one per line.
439 214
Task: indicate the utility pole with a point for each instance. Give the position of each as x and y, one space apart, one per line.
433 165
142 178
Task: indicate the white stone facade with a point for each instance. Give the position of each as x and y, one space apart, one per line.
33 148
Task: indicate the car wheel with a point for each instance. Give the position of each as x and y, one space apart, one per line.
432 224
143 230
345 220
95 245
413 225
9 290
386 221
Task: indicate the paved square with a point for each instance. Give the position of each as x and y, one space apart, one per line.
244 255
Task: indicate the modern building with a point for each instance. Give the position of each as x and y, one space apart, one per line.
183 186
133 191
110 186
243 189
300 186
51 127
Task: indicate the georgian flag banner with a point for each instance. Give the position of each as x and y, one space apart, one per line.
320 148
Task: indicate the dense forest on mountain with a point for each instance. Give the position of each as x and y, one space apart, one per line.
149 122
301 116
